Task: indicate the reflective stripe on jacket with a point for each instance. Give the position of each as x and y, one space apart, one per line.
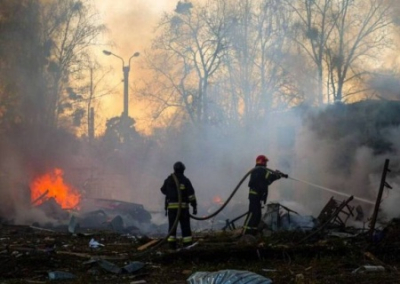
260 179
175 205
169 188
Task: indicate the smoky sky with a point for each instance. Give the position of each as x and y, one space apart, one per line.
131 22
130 25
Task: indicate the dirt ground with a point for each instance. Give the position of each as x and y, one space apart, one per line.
28 254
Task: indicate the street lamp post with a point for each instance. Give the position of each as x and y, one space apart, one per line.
125 70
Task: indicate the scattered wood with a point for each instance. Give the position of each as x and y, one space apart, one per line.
380 262
21 248
40 197
328 220
147 245
41 229
86 255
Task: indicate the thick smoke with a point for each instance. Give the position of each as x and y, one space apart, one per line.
385 85
25 155
339 147
344 148
331 148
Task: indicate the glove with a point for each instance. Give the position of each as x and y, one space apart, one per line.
194 211
281 174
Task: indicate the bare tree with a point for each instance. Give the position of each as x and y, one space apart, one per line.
70 28
189 51
360 34
340 37
222 62
22 64
255 62
314 26
43 45
91 84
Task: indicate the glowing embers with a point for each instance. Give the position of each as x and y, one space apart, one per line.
52 185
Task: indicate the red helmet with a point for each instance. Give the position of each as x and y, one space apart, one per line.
261 160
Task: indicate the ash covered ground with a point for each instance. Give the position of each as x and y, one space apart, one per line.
327 253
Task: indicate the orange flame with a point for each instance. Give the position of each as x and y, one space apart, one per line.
218 200
65 195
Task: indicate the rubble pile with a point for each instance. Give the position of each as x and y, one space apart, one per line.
107 240
30 254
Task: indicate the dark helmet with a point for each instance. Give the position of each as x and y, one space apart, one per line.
261 160
179 167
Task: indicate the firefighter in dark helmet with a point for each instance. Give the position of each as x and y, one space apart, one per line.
169 189
260 178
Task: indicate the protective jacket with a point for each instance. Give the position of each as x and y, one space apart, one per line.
259 181
171 194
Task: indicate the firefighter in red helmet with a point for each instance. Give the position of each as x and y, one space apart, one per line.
169 189
260 178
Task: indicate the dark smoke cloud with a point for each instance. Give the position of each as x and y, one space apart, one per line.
344 148
341 147
386 85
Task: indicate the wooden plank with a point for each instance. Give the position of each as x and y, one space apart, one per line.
86 255
40 197
147 245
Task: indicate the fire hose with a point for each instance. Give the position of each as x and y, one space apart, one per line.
175 224
200 218
278 173
228 200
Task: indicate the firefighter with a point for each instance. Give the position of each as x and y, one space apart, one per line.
260 179
169 189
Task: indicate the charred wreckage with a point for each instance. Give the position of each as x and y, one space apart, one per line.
118 239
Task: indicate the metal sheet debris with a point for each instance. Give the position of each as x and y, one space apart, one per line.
368 268
227 276
61 275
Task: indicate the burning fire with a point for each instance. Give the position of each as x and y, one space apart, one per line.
53 183
218 200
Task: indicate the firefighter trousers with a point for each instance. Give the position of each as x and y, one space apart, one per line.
184 222
253 217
